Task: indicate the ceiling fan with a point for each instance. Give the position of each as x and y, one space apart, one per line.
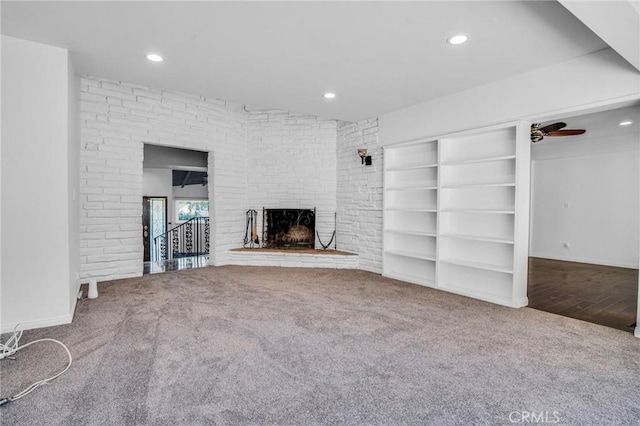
538 133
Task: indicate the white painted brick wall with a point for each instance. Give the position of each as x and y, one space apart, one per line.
258 158
116 120
293 259
292 164
359 193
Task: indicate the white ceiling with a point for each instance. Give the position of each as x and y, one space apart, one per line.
376 56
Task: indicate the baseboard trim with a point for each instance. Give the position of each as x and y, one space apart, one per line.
39 323
584 260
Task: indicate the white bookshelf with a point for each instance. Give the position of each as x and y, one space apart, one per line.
456 213
411 203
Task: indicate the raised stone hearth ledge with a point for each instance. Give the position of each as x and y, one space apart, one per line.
294 258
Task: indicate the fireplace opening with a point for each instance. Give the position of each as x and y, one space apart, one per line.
289 228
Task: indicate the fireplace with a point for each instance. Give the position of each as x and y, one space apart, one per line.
289 228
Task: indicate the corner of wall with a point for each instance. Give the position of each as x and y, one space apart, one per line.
359 193
73 183
36 131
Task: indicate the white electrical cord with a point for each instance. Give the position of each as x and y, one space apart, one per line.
11 346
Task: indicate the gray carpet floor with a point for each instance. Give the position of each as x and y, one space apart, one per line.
279 346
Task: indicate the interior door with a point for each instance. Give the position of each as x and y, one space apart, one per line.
146 222
154 223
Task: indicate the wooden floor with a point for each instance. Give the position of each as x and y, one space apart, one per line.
603 295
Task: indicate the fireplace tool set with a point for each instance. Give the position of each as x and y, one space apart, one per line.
251 239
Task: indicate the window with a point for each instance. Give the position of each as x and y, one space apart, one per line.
188 209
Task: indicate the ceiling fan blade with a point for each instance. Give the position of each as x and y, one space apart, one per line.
568 132
553 127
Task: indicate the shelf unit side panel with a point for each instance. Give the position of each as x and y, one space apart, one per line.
522 216
439 214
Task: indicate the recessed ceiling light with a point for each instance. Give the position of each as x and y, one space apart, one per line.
625 123
155 58
329 95
457 39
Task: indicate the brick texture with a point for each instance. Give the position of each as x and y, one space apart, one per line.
117 119
257 158
292 164
293 259
359 194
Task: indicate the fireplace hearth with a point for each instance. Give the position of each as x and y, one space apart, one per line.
289 228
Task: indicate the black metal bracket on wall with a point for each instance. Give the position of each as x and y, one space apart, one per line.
333 236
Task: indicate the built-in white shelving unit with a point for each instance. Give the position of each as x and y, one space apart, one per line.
411 203
456 213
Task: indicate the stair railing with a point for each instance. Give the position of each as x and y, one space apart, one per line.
190 238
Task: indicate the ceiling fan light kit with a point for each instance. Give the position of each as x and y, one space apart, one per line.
556 129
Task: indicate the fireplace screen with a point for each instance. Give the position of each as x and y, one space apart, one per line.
289 228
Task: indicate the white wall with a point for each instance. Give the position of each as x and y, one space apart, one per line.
584 191
117 119
73 182
624 36
360 193
292 164
575 84
39 238
190 191
589 202
1 156
173 158
257 158
157 182
637 329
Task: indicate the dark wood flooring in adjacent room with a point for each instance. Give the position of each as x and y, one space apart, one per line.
599 294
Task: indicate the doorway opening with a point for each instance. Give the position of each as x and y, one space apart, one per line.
584 234
176 225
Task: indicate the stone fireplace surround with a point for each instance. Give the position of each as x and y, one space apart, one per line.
307 258
289 240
